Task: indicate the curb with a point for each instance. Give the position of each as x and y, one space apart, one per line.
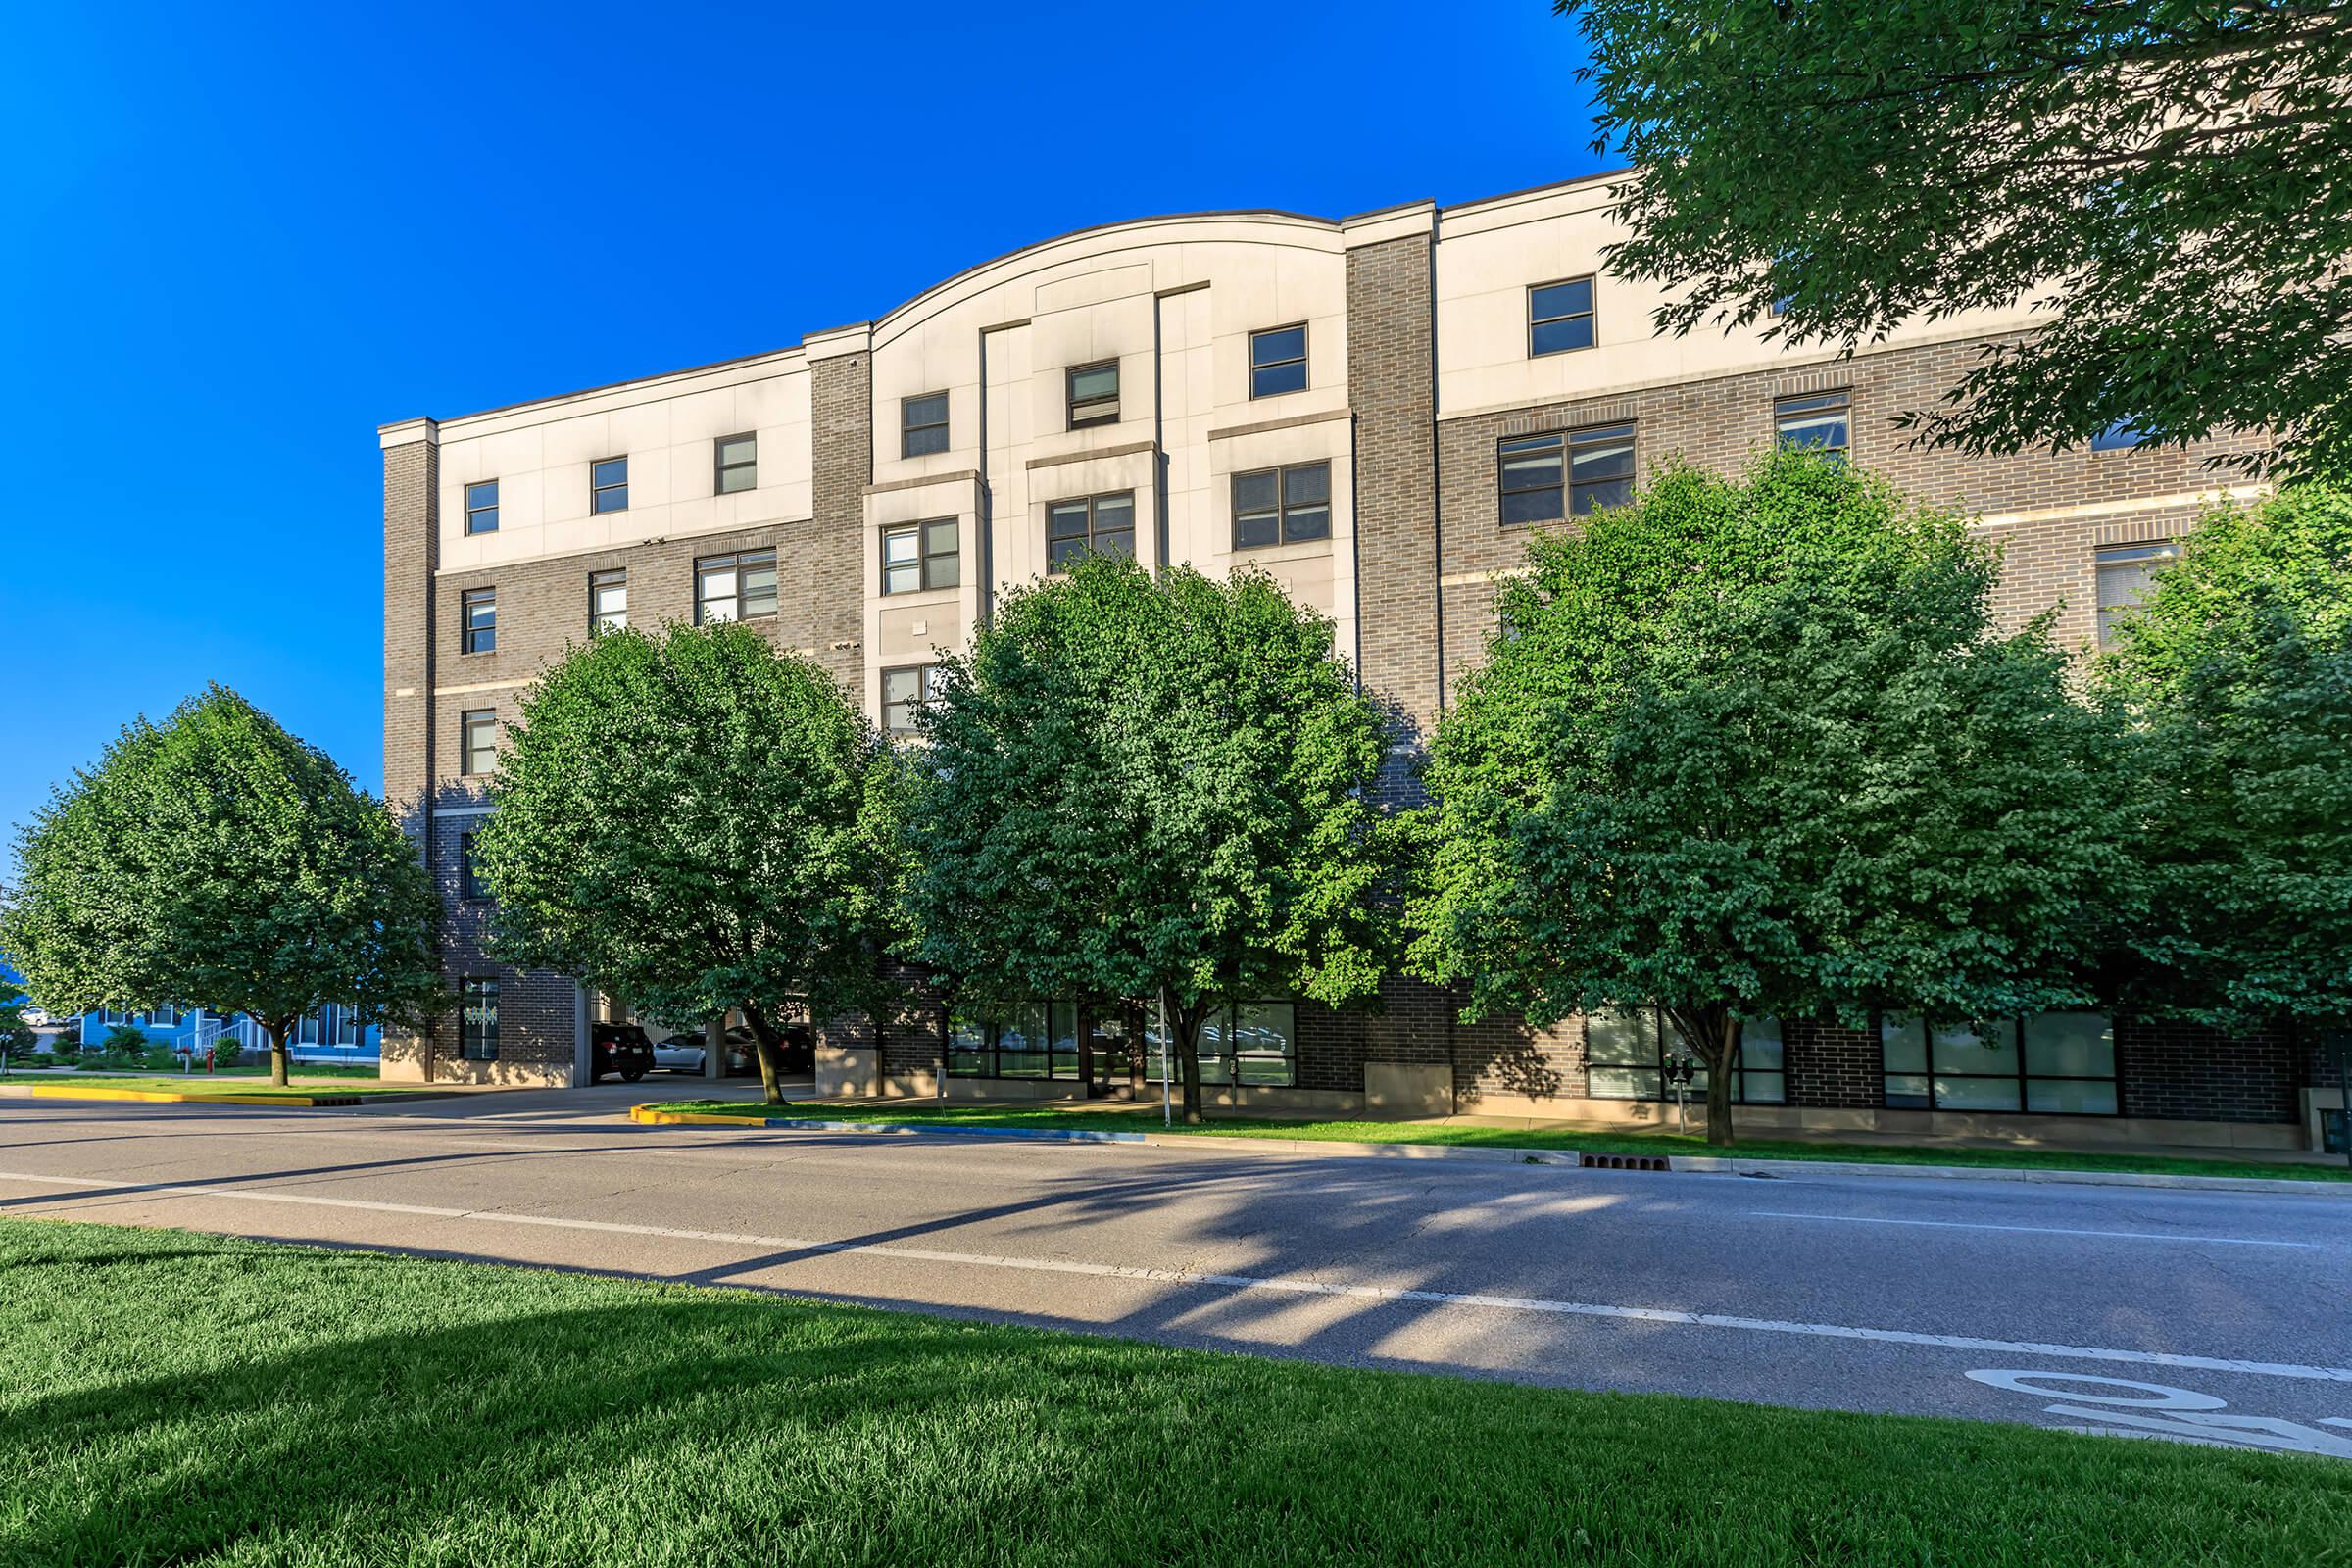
653 1115
171 1097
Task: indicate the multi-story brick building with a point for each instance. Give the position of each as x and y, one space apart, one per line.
1375 410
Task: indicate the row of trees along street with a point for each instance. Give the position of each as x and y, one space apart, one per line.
1749 747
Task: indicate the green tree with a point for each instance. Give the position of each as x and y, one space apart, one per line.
1153 788
2164 177
696 822
1748 749
215 859
2238 667
17 1037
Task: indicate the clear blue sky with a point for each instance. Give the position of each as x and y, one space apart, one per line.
237 239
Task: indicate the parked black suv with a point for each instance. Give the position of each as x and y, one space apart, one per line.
621 1048
797 1050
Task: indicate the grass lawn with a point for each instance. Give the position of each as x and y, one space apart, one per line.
921 1111
173 1397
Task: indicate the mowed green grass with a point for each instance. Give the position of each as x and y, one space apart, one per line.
920 1112
174 1397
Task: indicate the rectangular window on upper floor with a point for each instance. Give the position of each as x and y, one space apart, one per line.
904 693
1282 505
2120 436
923 424
471 886
1559 317
478 619
481 507
1094 394
607 601
921 555
1278 360
1546 478
1817 421
1103 526
477 742
609 485
2126 573
736 459
737 587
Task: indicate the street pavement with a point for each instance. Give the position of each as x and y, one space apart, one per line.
2222 1317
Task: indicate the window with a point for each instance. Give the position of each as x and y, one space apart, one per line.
2051 1063
1093 391
1559 317
166 1016
478 1020
609 485
607 601
478 616
481 507
1817 421
923 424
920 555
477 743
1252 1044
1599 468
905 691
2120 436
737 587
1278 360
1629 1052
1012 1047
1282 505
114 1019
346 1025
1102 524
2126 573
307 1032
471 886
737 461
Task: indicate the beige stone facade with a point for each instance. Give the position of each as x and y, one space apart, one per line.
1138 379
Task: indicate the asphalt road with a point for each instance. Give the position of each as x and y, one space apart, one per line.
2216 1316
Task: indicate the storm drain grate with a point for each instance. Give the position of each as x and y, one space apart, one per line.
1626 1162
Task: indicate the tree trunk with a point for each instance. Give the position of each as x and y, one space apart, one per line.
769 1049
1712 1035
279 1028
1185 1023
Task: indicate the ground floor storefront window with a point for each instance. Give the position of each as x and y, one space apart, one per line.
1630 1055
2059 1064
1253 1043
477 1021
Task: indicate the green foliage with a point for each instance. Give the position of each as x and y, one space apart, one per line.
1749 751
123 1046
1140 788
227 1050
2165 178
65 1047
17 1037
696 822
2239 665
216 859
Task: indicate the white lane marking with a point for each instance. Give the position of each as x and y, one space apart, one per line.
2035 1230
1246 1282
2180 1413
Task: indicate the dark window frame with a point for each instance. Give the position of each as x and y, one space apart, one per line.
476 508
2024 1077
1094 532
1662 1049
1106 409
599 489
1283 504
720 466
600 621
1299 359
913 437
926 683
1577 498
472 889
478 1019
1793 410
469 721
1590 315
736 559
2142 557
473 639
935 569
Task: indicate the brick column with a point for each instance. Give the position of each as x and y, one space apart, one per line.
832 563
412 454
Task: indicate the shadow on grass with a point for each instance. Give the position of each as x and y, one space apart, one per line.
199 1399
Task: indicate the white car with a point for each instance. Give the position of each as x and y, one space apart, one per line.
679 1053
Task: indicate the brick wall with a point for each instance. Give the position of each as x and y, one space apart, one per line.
830 572
2183 1071
1391 386
1828 1065
412 545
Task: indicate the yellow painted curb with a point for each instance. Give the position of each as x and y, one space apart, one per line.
163 1098
656 1116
